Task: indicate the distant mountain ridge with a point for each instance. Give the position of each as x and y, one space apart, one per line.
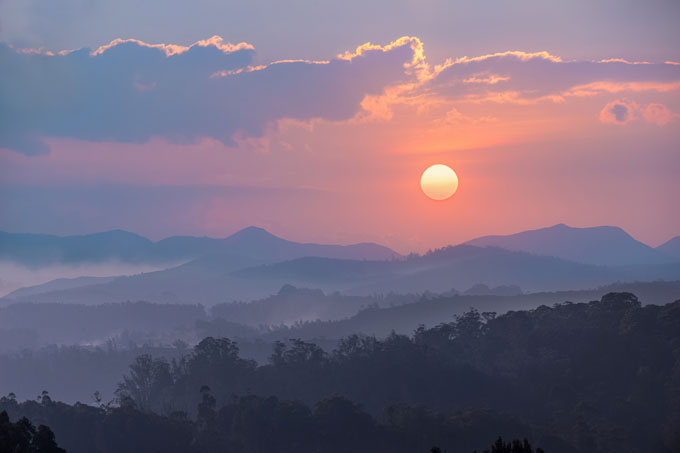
671 247
58 284
39 250
602 245
220 278
454 266
254 263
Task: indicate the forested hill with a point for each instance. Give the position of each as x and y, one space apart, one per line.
598 377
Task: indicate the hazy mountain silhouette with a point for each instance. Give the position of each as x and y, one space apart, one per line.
305 313
222 277
37 250
254 263
259 244
458 266
603 245
436 309
58 285
671 247
481 289
403 313
205 279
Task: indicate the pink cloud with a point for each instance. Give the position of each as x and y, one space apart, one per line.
623 112
618 112
595 88
658 114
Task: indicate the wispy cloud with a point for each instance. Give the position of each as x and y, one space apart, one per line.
174 49
519 77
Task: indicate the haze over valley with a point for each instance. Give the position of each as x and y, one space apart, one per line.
341 227
256 288
253 263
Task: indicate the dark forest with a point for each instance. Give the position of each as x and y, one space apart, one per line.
575 377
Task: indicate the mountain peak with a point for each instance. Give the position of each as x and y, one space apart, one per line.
601 231
252 232
253 228
602 245
565 227
671 247
116 233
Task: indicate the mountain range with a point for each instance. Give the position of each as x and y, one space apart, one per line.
603 245
253 263
39 250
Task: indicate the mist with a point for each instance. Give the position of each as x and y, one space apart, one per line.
369 227
14 275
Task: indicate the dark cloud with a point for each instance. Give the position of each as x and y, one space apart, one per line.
130 91
620 112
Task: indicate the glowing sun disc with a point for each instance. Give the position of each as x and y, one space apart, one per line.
439 182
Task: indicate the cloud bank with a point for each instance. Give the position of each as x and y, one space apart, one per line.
129 91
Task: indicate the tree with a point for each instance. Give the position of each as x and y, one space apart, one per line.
44 441
206 409
144 385
22 437
516 446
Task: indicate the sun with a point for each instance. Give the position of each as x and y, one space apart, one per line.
439 182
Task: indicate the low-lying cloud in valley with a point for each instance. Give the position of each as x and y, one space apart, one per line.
15 276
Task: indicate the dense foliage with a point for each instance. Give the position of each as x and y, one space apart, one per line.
597 377
23 437
266 424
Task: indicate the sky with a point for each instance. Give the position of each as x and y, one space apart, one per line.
316 119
